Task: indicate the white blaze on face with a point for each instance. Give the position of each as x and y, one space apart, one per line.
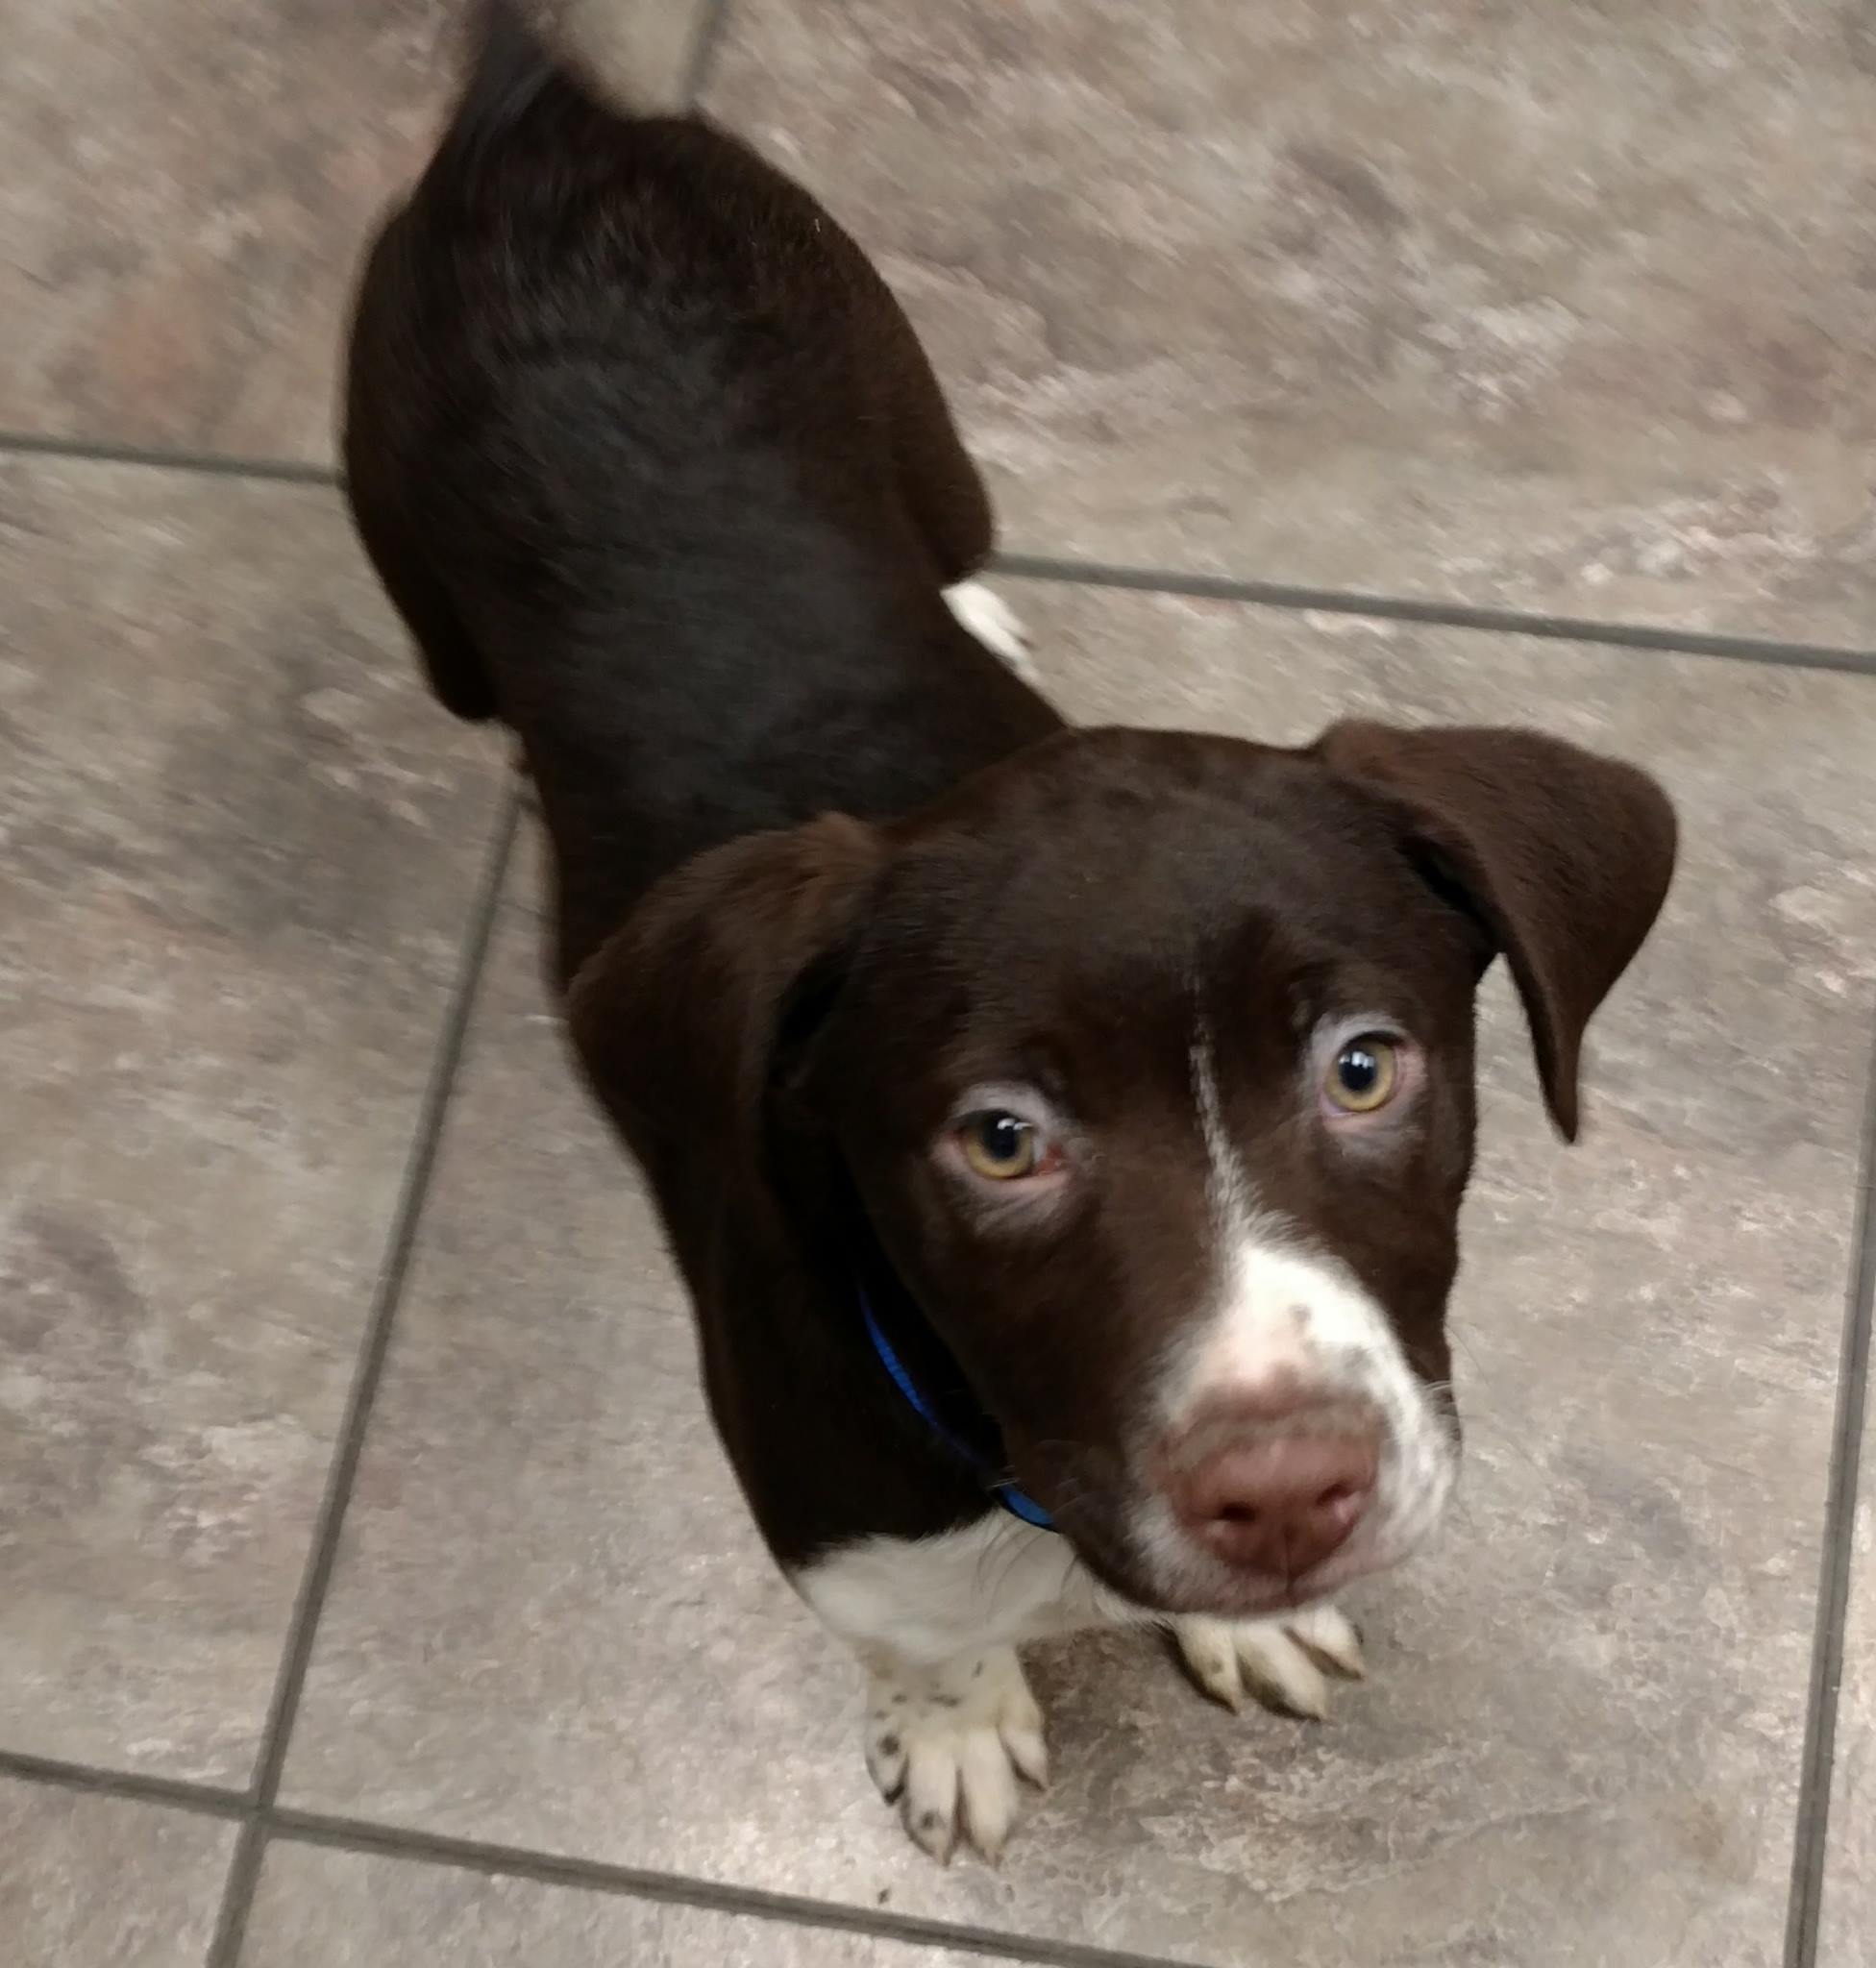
1256 1338
1285 1316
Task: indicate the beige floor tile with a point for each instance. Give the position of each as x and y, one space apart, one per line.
240 849
321 1908
89 1881
189 185
1560 308
550 1624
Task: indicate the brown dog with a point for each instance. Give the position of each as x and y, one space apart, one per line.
1062 1132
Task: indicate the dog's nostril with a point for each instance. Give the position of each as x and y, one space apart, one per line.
1278 1502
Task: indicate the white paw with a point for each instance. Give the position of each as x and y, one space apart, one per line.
948 1743
995 624
1281 1662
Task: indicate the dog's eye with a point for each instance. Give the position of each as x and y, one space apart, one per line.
1001 1146
1364 1074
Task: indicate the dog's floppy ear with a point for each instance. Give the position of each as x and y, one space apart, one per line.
676 1016
1563 858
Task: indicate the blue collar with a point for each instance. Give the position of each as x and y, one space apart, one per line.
983 1458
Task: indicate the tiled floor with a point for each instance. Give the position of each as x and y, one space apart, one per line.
1446 360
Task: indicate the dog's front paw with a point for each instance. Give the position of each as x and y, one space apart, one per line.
994 623
1285 1662
947 1744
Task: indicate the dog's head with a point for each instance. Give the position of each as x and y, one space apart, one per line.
1149 1060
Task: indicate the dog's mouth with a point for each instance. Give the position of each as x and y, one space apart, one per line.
1158 1576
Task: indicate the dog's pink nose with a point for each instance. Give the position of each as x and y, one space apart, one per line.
1279 1496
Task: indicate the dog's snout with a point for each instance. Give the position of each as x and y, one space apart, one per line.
1275 1490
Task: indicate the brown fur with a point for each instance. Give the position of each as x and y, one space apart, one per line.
654 469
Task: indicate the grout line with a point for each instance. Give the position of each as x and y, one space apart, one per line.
1043 567
285 471
297 1656
212 1800
1217 587
474 1854
1811 1844
369 1838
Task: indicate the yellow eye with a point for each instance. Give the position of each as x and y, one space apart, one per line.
1364 1074
1001 1146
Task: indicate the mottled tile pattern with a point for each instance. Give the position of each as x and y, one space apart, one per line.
1566 307
1847 1927
186 187
335 1910
1561 309
238 850
98 1883
551 1625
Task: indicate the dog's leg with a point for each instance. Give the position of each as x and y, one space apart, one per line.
948 1742
378 486
951 1731
1285 1662
444 646
938 481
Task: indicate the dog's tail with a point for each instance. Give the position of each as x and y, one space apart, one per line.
623 58
509 68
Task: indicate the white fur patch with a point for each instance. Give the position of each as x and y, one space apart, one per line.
1280 1661
947 1744
951 1724
998 1581
1285 1312
994 623
951 1728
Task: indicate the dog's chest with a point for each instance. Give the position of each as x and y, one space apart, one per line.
996 1582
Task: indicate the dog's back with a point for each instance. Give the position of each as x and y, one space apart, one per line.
655 471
